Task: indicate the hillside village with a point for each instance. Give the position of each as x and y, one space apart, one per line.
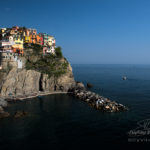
15 41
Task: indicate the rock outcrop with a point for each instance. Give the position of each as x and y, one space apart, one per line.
20 82
3 103
27 82
3 114
62 83
19 114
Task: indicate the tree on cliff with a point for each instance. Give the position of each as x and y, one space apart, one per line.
58 52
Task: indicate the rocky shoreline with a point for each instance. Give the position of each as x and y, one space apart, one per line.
95 100
3 104
22 97
79 91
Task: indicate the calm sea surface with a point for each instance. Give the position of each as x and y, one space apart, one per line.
64 122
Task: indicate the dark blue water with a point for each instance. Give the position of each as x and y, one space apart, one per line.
64 122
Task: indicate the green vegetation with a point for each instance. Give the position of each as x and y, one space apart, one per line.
37 49
53 65
58 52
49 65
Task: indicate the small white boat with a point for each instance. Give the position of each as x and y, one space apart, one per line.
124 78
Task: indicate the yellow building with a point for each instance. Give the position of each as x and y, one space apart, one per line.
27 39
18 46
18 40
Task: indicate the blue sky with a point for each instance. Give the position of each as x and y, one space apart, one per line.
89 31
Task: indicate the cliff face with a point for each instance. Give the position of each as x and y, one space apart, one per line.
26 82
62 83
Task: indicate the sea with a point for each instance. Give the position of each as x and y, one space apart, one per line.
64 122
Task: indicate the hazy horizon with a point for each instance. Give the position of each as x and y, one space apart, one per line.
89 32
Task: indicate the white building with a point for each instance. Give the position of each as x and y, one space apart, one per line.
6 45
11 59
49 50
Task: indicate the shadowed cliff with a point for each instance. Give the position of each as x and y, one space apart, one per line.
40 74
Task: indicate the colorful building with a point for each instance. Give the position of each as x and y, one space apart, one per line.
2 33
32 31
5 46
33 38
45 38
38 39
12 32
27 32
51 41
27 39
18 46
10 59
41 39
48 50
17 36
10 39
2 30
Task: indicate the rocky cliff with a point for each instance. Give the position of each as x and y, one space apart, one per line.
26 82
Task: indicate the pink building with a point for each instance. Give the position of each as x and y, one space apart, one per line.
44 50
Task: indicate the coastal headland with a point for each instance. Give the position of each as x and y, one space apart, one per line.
31 65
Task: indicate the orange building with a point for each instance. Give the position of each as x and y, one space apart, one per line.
18 50
38 39
33 39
